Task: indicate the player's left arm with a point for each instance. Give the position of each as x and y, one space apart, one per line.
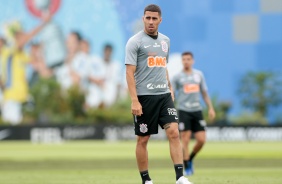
205 95
208 102
169 85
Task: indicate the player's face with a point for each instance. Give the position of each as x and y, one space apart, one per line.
107 54
72 43
187 61
19 35
151 22
84 47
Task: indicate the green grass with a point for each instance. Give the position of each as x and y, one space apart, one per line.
99 162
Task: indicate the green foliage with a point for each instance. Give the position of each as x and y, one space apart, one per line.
221 108
260 90
49 104
249 118
2 122
118 113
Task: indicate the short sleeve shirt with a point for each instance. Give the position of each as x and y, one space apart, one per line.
188 88
150 56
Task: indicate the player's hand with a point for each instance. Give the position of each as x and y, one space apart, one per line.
211 114
136 108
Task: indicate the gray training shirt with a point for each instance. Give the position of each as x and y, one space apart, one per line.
188 88
150 56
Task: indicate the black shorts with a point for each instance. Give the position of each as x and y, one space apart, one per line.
193 121
157 110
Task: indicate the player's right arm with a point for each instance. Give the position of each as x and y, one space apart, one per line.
136 108
131 63
174 84
206 98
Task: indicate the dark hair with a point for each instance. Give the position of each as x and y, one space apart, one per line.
153 8
108 46
77 34
187 53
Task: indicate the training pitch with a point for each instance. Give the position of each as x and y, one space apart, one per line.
98 162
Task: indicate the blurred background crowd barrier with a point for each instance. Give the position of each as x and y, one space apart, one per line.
68 68
61 133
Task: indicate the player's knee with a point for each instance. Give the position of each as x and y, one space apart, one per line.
143 141
185 141
173 134
201 141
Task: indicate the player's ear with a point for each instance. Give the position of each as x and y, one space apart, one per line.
161 19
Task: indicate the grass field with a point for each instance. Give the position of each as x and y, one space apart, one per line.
98 162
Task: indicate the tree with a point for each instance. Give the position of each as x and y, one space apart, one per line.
260 90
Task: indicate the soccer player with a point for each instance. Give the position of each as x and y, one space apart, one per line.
188 86
151 93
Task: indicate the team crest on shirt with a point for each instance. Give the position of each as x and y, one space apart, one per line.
164 46
197 78
143 128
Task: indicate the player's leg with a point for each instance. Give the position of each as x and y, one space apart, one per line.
142 157
185 140
198 128
168 121
185 128
172 133
176 154
145 125
200 137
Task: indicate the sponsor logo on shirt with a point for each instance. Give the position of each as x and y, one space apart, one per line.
156 45
191 88
156 86
156 61
191 105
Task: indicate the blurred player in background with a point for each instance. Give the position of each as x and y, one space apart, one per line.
67 75
188 86
151 94
112 79
13 74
